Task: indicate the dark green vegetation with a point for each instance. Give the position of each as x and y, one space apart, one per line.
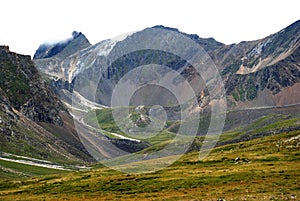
11 170
268 168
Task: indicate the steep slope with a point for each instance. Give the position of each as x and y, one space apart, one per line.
34 122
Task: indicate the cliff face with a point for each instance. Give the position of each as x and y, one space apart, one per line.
33 121
26 91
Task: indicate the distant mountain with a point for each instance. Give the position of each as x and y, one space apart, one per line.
65 48
88 63
261 73
33 121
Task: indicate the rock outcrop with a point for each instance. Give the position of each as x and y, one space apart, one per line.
25 90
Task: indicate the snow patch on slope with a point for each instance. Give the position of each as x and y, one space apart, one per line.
87 57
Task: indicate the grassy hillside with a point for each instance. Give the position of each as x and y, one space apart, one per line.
238 127
9 170
267 169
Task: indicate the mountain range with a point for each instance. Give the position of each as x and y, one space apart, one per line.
258 73
38 97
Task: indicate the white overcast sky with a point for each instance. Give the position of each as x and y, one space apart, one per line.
25 24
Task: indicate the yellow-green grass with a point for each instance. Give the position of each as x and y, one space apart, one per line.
272 173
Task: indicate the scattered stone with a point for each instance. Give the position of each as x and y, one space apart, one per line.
293 139
239 160
291 143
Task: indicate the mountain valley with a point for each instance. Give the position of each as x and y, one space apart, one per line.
60 138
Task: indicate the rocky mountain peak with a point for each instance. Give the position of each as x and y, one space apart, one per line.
77 42
76 34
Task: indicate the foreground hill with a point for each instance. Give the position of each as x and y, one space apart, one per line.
260 169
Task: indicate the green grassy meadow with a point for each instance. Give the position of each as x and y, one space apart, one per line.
268 169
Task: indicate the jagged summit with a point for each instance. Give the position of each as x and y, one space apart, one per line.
76 34
77 42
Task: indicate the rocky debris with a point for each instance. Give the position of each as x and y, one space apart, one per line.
8 117
141 109
296 138
291 143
